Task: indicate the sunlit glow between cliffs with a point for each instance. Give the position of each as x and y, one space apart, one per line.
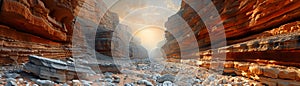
150 37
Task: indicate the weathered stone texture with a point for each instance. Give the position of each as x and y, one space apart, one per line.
254 29
47 27
34 27
56 70
263 32
272 75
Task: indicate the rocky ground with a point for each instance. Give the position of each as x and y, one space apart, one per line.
166 74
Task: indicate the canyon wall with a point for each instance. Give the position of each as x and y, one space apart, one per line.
119 43
138 53
262 38
55 29
33 27
254 30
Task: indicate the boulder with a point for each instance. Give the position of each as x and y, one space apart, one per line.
145 82
58 70
271 72
287 74
166 77
256 70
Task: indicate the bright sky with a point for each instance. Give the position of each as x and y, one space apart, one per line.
150 36
145 17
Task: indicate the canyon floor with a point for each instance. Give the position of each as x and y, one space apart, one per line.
162 74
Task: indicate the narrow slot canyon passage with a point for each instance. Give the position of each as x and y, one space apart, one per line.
149 43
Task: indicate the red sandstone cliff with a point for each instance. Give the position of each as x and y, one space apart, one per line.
33 27
243 21
260 35
51 28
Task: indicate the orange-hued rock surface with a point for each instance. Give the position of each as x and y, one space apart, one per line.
33 27
61 28
260 36
254 29
268 74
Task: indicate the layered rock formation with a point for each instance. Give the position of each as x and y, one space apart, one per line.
263 32
113 43
58 29
119 43
138 53
33 27
272 75
247 24
56 70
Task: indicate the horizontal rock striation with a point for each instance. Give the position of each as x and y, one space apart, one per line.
56 70
98 31
35 18
280 45
260 33
30 27
113 43
253 30
138 53
118 42
60 29
272 75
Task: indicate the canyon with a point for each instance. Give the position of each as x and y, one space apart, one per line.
250 41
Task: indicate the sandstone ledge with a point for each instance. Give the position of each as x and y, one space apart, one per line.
270 74
17 15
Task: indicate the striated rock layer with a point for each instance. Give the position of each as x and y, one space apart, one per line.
254 29
58 29
272 75
118 42
31 27
61 72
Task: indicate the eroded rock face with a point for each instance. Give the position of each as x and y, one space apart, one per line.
239 18
30 27
113 42
56 70
276 49
265 30
118 43
138 53
265 33
267 74
32 16
49 28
